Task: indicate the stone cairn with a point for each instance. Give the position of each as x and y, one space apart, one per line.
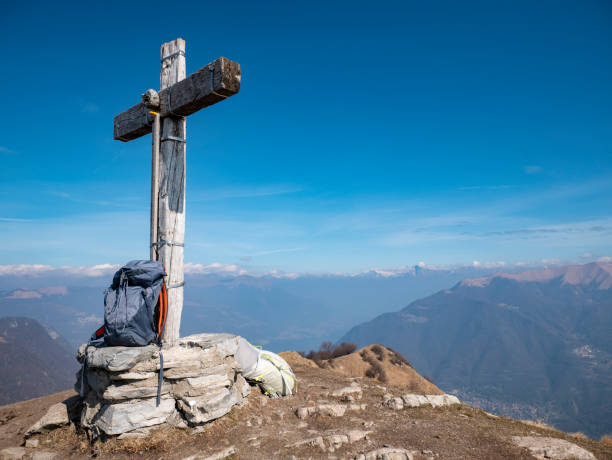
201 382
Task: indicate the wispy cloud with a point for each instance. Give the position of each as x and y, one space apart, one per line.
469 188
14 219
89 107
244 192
6 151
532 169
77 199
272 251
91 271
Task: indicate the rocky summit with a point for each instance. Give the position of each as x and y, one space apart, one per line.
332 415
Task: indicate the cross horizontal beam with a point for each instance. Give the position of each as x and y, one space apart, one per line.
212 83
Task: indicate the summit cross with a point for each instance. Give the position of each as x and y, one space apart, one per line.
164 115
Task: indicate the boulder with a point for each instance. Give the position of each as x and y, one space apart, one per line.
395 403
56 416
213 405
412 400
129 416
442 400
552 448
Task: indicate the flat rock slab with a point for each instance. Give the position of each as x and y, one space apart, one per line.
552 448
414 400
56 416
130 416
203 409
115 359
226 344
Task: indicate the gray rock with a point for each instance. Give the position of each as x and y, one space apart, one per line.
388 453
198 386
97 380
552 448
12 453
413 400
139 433
226 344
132 375
244 389
137 389
216 456
129 416
116 359
91 406
311 442
203 409
196 369
395 403
56 416
32 443
442 400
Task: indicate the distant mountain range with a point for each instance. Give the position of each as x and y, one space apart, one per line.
34 360
532 345
282 313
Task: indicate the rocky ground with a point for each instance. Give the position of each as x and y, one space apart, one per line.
332 416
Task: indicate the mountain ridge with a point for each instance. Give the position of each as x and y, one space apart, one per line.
535 345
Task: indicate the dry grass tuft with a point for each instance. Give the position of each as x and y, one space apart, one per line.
378 351
606 439
157 441
538 424
375 371
579 435
328 351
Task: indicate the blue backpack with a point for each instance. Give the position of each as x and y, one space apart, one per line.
135 310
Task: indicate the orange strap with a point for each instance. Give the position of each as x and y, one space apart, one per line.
163 310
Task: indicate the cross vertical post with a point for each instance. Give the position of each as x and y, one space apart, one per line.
163 113
171 198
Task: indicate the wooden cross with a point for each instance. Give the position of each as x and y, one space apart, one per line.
178 97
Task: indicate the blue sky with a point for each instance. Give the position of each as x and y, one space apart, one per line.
365 134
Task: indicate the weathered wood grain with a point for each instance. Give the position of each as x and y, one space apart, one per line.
154 186
171 219
212 83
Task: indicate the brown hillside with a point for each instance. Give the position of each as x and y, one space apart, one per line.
396 370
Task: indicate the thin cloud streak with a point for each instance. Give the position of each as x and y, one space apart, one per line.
244 192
